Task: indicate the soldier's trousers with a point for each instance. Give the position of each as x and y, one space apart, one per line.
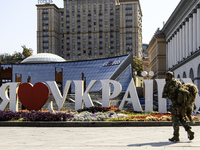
175 123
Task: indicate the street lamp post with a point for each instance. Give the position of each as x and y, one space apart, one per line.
148 91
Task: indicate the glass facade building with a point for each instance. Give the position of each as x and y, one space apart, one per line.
115 68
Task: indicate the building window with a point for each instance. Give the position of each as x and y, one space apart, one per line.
45 11
45 39
128 30
128 18
45 28
129 48
45 16
128 6
128 12
128 24
45 50
45 33
45 45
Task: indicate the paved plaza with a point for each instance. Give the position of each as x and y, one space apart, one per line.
95 138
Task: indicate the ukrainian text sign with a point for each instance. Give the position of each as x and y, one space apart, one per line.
33 97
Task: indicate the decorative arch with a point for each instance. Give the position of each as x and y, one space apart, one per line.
178 76
184 75
198 76
198 71
191 75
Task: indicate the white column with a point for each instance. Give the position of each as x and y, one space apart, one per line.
190 34
178 45
167 55
198 27
187 37
181 43
170 53
175 48
183 39
194 30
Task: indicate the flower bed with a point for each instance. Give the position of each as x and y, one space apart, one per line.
34 116
87 114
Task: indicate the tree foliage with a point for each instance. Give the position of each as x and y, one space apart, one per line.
137 65
26 52
17 56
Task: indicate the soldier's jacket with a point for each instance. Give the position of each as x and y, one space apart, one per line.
171 90
182 97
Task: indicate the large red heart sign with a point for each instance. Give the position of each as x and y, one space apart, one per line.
33 97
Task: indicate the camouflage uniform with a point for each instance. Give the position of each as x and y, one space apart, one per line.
171 90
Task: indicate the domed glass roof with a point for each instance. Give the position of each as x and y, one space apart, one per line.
43 58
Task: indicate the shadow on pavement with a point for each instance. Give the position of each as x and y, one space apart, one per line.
154 144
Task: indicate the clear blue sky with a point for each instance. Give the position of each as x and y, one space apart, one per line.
19 21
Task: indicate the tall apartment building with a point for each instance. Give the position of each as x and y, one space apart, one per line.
86 29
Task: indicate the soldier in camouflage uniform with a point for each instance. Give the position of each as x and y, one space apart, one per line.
171 90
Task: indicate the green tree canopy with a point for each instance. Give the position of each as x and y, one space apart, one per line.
137 65
26 52
17 57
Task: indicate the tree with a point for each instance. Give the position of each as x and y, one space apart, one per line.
17 57
6 58
137 65
26 52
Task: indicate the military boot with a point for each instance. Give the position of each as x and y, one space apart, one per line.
175 138
190 134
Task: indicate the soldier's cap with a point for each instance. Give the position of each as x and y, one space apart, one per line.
169 73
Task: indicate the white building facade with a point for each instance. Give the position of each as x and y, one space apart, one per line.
182 32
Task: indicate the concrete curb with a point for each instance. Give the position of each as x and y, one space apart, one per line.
87 124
